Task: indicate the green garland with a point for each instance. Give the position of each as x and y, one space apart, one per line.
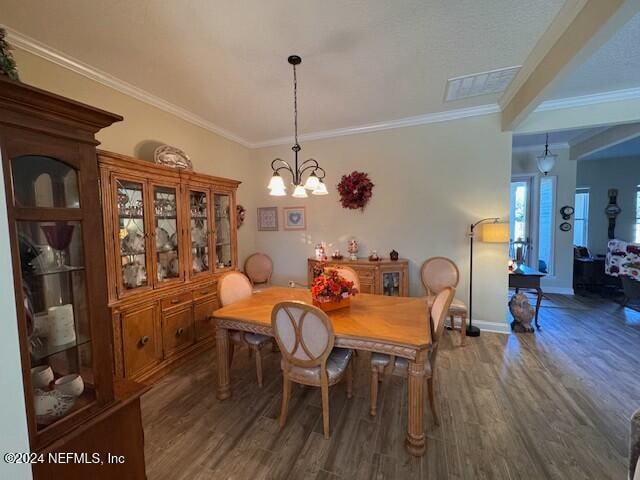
7 63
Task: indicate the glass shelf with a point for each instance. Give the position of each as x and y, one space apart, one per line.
43 351
57 270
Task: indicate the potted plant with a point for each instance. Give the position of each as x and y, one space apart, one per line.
331 291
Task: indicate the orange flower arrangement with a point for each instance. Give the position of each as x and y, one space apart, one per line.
330 286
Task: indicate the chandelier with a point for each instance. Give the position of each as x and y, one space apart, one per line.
547 160
314 182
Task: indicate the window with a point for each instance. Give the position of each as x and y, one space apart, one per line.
581 222
519 216
637 240
545 224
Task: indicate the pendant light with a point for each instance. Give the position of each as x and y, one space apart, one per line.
314 182
547 160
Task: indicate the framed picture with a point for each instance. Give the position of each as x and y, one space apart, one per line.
268 219
295 218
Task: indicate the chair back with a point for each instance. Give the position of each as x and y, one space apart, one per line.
233 287
303 332
349 274
258 267
437 273
439 312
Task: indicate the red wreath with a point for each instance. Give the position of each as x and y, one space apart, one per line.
355 190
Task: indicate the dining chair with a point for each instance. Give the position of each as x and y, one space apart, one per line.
233 287
305 336
381 362
348 274
437 273
259 268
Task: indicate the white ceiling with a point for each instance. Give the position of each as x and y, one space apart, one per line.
630 148
558 137
614 66
364 61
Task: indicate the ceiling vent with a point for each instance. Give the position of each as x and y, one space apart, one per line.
494 81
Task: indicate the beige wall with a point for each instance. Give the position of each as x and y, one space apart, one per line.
145 127
524 163
431 182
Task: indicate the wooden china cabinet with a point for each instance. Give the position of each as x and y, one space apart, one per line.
169 235
48 150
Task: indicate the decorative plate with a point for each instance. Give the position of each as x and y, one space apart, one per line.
51 405
162 239
133 244
172 157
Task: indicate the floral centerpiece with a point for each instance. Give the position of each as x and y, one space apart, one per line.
331 291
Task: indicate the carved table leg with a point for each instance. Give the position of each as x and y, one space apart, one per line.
415 406
222 349
538 301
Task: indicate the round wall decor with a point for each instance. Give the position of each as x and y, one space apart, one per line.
565 226
355 190
241 213
566 212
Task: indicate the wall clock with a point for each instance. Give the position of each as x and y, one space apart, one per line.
612 210
566 212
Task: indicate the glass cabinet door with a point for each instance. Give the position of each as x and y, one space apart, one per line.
222 215
199 231
132 235
166 236
391 283
54 289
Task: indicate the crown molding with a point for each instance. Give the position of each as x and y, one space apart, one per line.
387 125
35 47
540 148
592 99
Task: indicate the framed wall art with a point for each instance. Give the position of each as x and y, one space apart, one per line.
268 219
295 218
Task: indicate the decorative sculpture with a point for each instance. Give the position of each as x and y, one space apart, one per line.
522 313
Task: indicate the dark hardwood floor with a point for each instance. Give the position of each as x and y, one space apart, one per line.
554 404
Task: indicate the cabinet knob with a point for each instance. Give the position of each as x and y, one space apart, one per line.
179 331
175 300
144 340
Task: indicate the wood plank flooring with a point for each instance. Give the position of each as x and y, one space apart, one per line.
549 405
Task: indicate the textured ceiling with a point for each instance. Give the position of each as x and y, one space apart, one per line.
614 66
364 61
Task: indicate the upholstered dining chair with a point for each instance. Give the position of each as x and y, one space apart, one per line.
437 273
233 287
381 362
259 267
305 336
348 273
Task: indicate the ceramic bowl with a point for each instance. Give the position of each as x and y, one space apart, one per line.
41 376
70 385
49 406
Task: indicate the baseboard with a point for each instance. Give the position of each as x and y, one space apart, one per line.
559 290
494 327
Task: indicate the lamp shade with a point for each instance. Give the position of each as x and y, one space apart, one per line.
546 162
494 233
299 192
321 189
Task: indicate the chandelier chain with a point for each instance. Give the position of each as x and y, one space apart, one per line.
295 104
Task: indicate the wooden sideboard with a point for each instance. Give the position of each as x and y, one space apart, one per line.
382 277
169 235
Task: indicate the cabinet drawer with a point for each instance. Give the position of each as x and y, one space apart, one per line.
367 288
140 338
365 275
177 330
204 323
175 300
204 291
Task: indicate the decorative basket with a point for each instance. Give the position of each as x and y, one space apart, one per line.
329 305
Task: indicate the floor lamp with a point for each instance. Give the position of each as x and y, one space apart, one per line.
491 231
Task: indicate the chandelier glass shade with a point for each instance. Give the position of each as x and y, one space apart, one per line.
315 173
547 160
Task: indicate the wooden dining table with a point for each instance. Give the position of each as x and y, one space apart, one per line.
396 326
